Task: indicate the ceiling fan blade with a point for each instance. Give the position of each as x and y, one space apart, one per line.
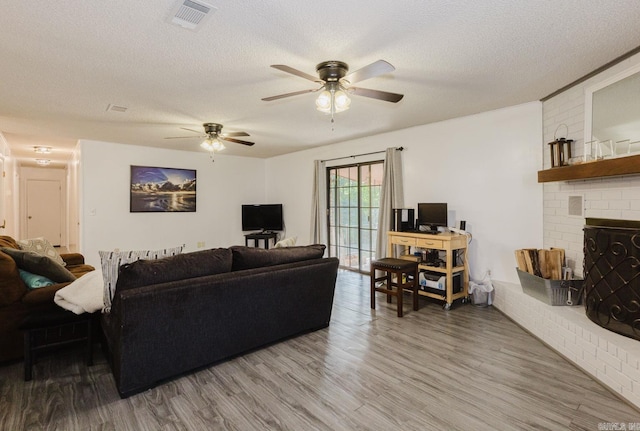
295 93
237 141
191 130
296 72
376 68
235 134
186 137
376 94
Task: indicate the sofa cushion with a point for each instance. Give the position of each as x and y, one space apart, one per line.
39 264
112 260
173 268
12 288
252 257
42 247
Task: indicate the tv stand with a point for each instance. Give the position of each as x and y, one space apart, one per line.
266 236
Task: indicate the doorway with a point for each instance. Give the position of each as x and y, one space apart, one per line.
44 210
353 206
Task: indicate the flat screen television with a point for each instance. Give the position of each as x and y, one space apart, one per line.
432 215
265 217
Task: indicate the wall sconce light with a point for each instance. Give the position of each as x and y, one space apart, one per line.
42 149
43 162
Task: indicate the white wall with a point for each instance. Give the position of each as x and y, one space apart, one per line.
484 166
107 224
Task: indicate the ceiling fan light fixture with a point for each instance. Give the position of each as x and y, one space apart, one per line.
212 144
323 102
333 99
341 101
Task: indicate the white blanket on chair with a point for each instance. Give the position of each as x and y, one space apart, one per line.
84 295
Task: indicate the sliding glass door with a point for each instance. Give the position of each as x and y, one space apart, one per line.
353 205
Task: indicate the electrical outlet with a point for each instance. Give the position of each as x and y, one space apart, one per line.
488 272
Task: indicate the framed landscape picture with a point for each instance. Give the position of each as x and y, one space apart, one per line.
156 189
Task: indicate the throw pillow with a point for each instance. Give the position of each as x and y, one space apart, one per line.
112 260
34 281
173 268
39 264
287 242
12 288
252 257
42 247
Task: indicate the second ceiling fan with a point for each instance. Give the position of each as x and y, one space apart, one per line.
336 83
213 137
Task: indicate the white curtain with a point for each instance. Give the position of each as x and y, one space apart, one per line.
391 196
319 204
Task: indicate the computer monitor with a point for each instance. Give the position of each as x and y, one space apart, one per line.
432 215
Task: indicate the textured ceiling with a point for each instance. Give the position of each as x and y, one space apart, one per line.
63 62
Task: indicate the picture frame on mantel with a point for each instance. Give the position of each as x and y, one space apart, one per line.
157 189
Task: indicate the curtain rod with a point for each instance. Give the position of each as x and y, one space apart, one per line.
359 155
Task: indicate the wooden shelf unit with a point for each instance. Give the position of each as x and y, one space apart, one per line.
626 165
447 242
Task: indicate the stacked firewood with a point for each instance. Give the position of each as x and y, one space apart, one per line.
542 263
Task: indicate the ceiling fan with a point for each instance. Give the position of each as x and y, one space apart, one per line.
336 83
213 137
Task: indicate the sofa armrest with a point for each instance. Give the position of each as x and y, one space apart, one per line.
42 294
72 258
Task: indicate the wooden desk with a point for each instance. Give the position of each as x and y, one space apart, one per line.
447 242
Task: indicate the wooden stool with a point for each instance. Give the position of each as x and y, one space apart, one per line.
46 330
399 268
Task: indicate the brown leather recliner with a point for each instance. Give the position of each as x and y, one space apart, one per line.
17 301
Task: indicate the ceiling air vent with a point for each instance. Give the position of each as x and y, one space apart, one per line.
190 14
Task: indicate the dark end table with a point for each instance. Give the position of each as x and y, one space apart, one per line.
49 329
256 237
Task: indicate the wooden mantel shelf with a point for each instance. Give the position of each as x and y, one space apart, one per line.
604 168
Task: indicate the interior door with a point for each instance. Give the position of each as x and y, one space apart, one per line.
44 210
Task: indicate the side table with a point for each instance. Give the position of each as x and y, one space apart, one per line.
256 237
52 328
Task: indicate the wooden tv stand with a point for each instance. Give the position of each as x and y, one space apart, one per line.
446 241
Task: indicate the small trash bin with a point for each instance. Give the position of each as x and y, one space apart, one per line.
481 292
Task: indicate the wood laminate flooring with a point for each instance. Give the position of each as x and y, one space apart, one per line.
466 369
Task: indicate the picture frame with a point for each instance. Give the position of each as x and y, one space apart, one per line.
158 189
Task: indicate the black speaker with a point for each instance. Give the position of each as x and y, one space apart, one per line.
463 224
403 219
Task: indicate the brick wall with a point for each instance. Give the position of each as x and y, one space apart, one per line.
615 197
612 359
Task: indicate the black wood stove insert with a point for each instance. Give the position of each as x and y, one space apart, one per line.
612 275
